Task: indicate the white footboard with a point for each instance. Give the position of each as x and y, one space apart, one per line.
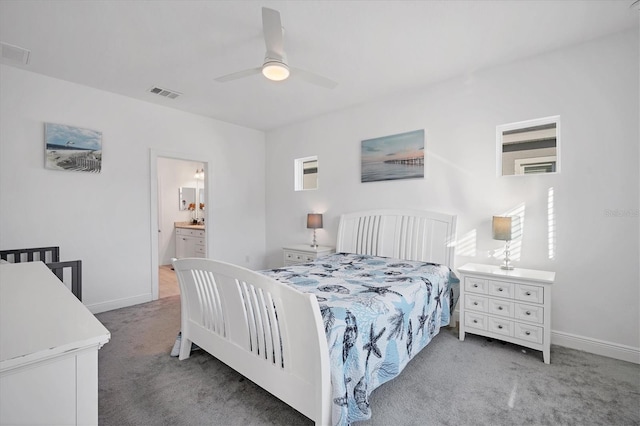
267 331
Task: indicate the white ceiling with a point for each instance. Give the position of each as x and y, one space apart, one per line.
371 48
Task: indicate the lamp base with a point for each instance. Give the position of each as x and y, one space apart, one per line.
506 265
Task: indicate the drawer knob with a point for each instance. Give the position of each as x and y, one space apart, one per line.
500 289
475 303
527 293
528 333
500 327
475 321
499 308
475 286
528 313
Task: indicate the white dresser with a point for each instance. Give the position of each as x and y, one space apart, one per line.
190 241
49 345
304 253
514 306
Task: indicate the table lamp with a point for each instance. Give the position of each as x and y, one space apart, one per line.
502 231
314 221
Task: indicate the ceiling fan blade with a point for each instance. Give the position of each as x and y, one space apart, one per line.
314 78
273 38
239 74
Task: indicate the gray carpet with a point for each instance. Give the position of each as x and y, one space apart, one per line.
475 382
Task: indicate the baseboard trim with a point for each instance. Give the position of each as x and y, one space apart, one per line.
595 346
97 308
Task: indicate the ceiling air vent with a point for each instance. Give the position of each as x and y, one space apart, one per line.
15 53
171 94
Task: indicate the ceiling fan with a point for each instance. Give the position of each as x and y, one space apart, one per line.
275 65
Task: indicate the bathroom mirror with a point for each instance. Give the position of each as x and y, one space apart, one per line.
529 147
187 195
306 173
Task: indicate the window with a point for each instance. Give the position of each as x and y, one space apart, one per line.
529 147
306 173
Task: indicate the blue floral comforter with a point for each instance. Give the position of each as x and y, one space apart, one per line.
378 313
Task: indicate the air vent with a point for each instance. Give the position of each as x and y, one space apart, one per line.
171 94
15 53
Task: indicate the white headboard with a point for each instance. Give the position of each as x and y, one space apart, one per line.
401 234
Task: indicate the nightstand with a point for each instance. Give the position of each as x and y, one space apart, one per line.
510 305
302 253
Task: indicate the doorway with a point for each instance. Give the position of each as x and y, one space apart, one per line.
172 175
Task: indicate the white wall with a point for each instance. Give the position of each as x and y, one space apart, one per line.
104 219
593 87
172 175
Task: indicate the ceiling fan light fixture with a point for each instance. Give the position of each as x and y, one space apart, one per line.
275 70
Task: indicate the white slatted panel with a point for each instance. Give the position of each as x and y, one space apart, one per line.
262 323
258 314
403 234
210 307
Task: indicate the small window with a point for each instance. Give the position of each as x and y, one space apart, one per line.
529 147
306 173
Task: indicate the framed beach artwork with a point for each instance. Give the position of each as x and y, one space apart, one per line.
393 157
72 148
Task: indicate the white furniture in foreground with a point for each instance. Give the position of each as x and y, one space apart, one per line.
273 334
302 253
510 305
49 345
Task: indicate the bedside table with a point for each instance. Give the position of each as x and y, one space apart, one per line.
514 306
302 253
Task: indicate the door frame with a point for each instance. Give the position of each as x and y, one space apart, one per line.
154 154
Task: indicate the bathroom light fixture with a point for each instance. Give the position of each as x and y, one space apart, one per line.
197 205
275 70
314 221
502 231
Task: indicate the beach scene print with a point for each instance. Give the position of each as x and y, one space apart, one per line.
72 148
393 157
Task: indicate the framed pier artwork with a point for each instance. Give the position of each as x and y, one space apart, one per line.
393 157
72 148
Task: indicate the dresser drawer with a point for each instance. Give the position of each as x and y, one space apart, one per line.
190 232
475 303
500 326
529 313
529 293
501 307
501 289
298 257
530 333
475 320
475 285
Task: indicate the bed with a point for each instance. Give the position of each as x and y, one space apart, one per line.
322 336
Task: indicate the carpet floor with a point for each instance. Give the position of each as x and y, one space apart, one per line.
475 382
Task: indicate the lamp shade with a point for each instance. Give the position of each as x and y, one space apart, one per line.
501 228
314 220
